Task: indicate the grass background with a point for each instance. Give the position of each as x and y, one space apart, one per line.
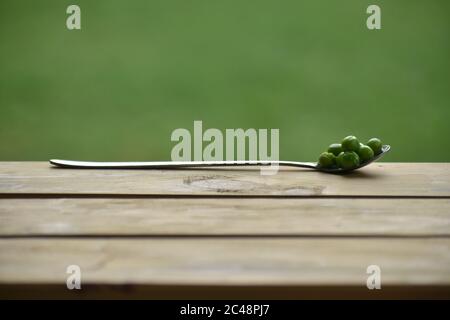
139 69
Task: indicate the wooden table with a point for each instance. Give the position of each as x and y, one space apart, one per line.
224 233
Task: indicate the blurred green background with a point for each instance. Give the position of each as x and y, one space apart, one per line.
137 70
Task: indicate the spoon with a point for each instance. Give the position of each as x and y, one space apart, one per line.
192 164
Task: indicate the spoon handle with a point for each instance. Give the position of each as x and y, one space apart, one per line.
173 164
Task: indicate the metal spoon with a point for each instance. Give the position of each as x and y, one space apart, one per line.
191 164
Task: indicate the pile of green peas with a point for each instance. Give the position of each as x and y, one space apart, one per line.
350 153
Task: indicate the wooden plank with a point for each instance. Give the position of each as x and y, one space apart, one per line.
192 261
379 179
225 216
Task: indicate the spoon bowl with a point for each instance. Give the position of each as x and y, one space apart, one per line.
384 149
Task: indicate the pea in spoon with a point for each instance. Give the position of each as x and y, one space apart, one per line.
193 164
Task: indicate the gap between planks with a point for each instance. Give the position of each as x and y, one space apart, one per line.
203 196
223 236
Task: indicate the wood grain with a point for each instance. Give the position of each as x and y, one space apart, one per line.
379 179
220 232
225 216
194 261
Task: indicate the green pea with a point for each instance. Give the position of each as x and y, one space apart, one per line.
327 160
348 160
376 145
365 153
335 149
350 143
